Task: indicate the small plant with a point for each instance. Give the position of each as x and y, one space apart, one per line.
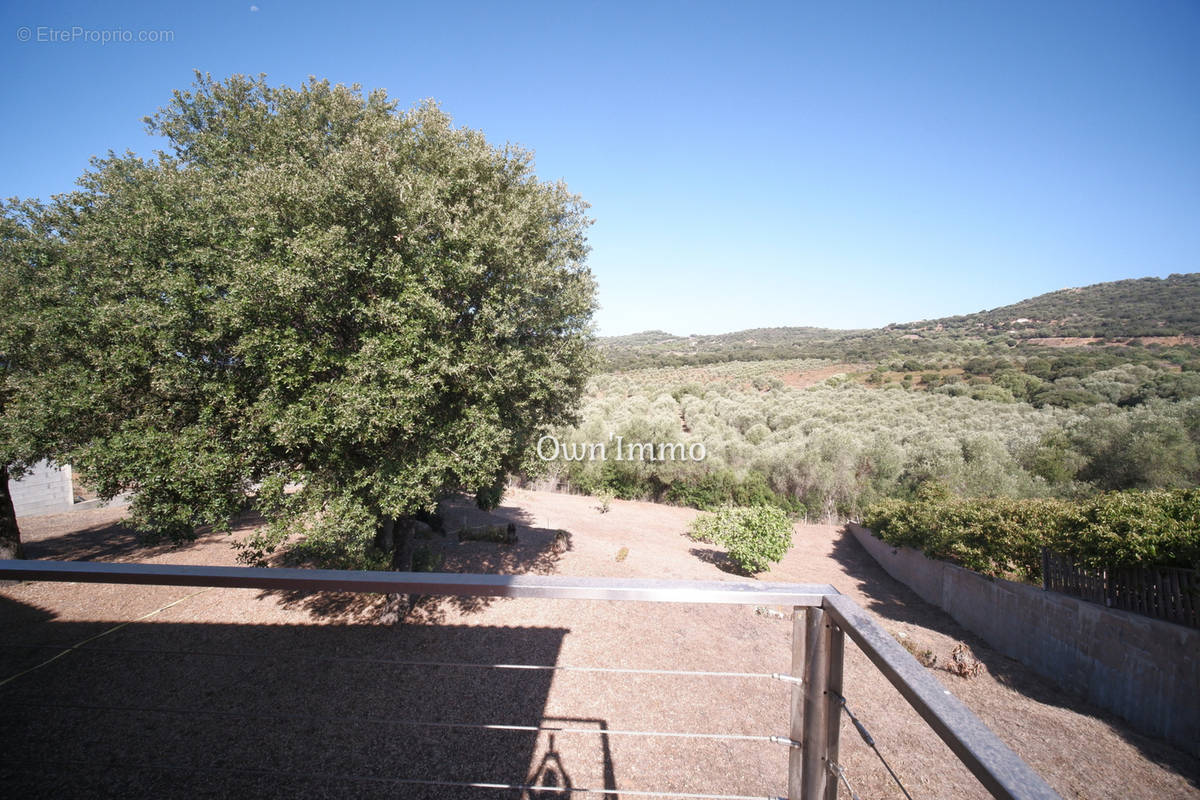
963 662
623 554
924 655
754 536
562 542
605 499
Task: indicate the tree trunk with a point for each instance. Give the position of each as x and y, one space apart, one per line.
395 536
402 553
10 534
385 536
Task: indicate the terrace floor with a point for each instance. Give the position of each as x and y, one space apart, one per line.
178 692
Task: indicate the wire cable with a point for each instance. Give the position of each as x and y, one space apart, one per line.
743 737
839 773
114 629
404 663
870 740
434 782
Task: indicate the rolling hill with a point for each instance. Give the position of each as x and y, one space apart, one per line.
1138 307
1158 308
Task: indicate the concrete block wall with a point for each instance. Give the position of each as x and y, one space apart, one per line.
46 489
1144 670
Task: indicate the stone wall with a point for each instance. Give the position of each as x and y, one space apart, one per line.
46 489
1145 670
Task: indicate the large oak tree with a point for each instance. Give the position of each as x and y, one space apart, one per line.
312 297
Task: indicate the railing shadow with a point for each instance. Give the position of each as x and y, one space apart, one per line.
551 769
169 710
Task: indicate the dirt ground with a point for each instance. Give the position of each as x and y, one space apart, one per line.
174 692
804 379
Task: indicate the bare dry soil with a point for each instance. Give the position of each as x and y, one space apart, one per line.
174 692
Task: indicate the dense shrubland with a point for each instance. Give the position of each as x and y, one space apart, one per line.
960 436
836 447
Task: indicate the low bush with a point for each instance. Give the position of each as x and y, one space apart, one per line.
1001 536
754 536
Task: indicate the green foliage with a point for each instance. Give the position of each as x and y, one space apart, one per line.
823 450
995 536
1155 445
310 288
490 496
425 559
755 536
711 490
1159 528
500 534
1003 536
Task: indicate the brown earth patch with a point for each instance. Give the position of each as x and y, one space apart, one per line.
233 692
805 378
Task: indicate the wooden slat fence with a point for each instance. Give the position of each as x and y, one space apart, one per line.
1168 593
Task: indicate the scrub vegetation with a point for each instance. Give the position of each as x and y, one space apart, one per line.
970 420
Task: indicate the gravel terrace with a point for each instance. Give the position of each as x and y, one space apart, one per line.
179 692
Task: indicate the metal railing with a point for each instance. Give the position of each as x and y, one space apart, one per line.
822 620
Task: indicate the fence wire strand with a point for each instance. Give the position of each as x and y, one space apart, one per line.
401 662
870 740
742 737
522 787
839 773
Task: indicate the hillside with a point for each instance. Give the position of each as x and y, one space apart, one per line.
1115 311
1138 307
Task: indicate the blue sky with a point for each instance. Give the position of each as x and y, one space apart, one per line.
748 165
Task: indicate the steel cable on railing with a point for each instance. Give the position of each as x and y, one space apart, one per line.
407 663
499 727
433 782
870 740
744 737
839 773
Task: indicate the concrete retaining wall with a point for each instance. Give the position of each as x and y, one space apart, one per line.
1144 670
46 489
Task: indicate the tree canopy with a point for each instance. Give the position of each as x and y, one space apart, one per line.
342 308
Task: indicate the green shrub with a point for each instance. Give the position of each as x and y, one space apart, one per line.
425 559
713 490
1132 528
1001 536
754 536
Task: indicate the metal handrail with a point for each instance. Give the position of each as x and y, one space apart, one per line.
816 647
556 587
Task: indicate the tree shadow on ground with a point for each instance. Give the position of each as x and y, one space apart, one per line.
720 560
117 541
893 601
166 710
536 551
